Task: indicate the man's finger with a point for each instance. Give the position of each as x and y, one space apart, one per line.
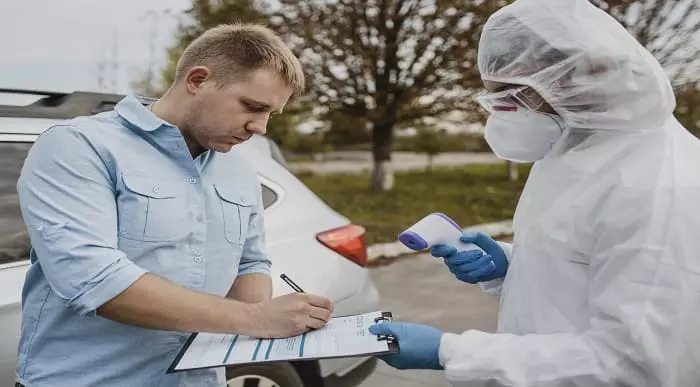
482 271
441 251
380 329
482 240
464 257
319 302
315 323
320 314
470 267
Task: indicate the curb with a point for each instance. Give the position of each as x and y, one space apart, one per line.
388 251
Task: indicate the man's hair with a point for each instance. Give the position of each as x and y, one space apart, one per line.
231 51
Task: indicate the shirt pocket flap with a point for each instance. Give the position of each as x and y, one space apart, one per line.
235 196
148 186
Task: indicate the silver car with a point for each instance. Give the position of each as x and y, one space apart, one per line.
321 249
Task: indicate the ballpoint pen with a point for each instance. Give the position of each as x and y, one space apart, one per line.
291 283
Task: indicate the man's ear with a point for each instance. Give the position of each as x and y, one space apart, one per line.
195 78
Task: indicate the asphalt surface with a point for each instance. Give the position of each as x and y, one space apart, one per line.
420 289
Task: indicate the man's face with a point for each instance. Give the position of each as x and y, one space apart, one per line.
220 117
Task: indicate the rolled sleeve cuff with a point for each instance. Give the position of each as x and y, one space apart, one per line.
255 267
116 279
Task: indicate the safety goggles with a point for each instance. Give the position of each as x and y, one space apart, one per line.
522 97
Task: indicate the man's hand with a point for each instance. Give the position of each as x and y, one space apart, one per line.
288 315
420 345
474 266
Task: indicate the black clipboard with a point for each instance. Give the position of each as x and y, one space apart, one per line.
392 343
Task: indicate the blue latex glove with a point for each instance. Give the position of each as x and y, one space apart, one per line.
473 266
419 345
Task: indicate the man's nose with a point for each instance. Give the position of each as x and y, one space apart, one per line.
258 126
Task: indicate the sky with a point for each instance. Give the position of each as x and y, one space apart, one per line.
57 45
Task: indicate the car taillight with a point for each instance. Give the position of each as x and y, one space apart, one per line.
348 241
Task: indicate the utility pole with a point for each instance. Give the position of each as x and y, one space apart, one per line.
108 65
152 17
115 61
101 66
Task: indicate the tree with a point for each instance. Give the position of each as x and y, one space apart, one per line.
312 144
669 29
344 131
430 142
688 109
391 62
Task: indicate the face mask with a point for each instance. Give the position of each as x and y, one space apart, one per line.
522 135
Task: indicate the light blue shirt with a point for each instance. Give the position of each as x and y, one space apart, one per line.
106 199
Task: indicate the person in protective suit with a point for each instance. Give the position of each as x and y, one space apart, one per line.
601 286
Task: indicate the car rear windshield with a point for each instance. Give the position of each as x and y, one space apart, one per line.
14 242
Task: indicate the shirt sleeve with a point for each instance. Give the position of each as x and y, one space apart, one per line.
254 259
68 204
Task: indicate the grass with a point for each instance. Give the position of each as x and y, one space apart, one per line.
470 195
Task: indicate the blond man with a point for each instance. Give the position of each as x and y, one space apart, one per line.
145 225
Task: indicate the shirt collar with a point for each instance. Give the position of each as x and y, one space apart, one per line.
134 112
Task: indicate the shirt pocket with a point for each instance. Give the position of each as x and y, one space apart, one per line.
236 208
152 210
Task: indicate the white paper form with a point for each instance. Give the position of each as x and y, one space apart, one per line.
341 337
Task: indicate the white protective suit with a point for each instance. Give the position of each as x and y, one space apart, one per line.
603 287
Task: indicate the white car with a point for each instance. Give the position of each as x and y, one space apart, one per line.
316 246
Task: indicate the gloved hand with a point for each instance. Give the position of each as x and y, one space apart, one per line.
473 266
419 345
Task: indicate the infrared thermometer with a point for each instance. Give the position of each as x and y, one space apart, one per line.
434 229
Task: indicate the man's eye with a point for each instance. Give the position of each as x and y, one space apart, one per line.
253 107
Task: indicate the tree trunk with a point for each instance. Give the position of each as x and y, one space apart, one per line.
382 141
429 165
512 169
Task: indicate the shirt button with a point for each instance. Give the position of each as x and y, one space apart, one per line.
196 259
200 218
156 189
243 201
192 180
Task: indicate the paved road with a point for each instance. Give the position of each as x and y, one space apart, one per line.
420 289
401 161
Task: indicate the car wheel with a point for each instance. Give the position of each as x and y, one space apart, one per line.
264 375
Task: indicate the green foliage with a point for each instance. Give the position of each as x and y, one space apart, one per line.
312 143
429 141
282 130
345 130
470 195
